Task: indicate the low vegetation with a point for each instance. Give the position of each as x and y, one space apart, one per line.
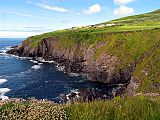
32 110
88 34
135 108
131 108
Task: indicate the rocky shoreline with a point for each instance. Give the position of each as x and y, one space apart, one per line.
102 69
79 59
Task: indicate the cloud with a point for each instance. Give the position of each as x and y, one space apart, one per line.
123 10
50 7
27 30
93 9
23 14
23 31
123 1
12 34
31 27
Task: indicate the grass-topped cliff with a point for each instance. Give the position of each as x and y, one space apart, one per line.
133 39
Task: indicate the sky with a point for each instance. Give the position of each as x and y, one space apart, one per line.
23 18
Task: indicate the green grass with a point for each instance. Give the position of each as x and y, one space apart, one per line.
148 71
135 108
130 108
89 35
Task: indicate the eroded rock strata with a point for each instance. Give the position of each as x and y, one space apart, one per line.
79 59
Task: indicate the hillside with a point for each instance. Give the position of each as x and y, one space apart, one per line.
120 51
138 22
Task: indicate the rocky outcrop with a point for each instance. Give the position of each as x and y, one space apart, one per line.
79 58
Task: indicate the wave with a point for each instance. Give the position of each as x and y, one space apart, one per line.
34 61
71 92
60 68
2 81
4 50
22 58
8 47
74 74
2 93
3 97
4 90
40 63
23 73
31 59
36 67
44 61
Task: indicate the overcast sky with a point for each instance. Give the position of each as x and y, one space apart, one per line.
23 18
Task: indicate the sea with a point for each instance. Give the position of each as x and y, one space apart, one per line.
26 78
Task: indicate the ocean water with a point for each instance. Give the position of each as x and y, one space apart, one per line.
24 78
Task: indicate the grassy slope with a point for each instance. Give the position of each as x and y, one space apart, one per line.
130 38
135 108
131 23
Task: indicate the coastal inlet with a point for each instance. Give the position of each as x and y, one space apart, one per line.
40 79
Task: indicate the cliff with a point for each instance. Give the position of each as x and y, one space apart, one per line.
121 51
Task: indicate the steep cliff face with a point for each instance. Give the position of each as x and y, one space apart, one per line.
78 59
119 58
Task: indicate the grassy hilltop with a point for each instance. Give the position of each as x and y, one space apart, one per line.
134 39
90 33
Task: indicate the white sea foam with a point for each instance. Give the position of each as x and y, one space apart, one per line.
4 50
8 48
36 67
47 61
2 53
2 93
51 61
40 59
74 74
2 81
34 61
23 73
60 68
4 90
80 81
40 63
31 60
23 57
67 96
73 91
15 56
3 97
